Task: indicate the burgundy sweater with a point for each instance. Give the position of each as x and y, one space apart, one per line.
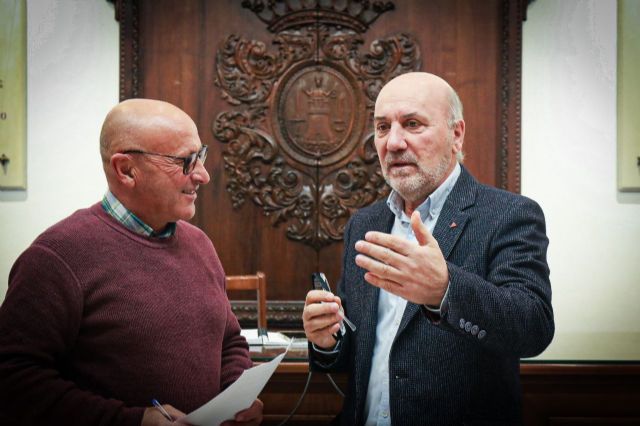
98 320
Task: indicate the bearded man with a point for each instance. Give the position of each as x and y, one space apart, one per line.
446 281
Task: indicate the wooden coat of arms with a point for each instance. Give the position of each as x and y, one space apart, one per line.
299 133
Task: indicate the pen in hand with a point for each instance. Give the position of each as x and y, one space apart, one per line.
161 409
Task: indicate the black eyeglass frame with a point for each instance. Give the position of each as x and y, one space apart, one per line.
188 162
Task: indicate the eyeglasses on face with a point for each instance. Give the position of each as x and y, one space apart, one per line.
188 162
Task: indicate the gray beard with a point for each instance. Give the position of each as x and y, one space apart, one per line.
417 186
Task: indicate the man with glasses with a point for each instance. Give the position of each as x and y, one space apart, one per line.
125 301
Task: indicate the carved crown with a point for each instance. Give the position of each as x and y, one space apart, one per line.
280 15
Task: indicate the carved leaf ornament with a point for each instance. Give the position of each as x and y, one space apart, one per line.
298 139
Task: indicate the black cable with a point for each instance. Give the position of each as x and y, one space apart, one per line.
304 393
335 385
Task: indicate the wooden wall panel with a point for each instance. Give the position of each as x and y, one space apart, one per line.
168 52
553 394
581 394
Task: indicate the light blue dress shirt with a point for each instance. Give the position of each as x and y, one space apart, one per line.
391 307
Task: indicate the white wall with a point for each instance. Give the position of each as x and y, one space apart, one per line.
72 82
569 166
568 151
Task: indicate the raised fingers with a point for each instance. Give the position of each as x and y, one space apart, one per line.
380 253
380 269
396 244
388 285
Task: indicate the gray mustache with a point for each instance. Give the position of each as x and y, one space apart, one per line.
403 157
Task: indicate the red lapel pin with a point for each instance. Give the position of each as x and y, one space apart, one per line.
453 225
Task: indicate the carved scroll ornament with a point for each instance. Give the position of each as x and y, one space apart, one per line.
299 141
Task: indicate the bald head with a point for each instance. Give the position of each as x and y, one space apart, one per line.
133 123
153 160
420 86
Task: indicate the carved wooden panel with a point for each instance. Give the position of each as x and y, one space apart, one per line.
289 94
299 140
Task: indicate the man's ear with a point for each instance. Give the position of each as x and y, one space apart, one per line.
458 135
123 169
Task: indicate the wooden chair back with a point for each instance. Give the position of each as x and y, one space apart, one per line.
257 282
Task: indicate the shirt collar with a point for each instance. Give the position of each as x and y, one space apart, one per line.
119 212
432 205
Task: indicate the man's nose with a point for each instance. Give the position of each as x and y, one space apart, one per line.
200 174
396 140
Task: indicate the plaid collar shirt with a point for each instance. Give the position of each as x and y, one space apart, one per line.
130 221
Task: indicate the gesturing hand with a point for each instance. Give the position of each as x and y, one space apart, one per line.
416 272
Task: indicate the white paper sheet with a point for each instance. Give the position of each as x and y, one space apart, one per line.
237 397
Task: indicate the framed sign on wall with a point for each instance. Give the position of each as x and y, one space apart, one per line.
628 95
13 94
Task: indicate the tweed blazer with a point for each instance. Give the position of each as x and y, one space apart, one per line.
463 368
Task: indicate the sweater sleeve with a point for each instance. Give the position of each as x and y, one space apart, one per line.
235 351
39 322
234 357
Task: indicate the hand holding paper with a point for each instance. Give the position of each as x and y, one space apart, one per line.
241 395
249 417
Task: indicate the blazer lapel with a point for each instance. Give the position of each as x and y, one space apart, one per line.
453 217
381 221
451 223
